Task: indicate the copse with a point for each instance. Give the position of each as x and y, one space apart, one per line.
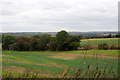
62 42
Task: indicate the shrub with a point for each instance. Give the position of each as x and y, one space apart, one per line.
103 46
114 47
87 47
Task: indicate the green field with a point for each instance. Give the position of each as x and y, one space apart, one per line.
52 63
100 52
109 41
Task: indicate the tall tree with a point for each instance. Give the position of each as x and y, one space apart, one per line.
61 39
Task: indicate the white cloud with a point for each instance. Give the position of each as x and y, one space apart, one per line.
54 15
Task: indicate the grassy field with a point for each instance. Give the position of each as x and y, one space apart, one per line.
100 52
54 64
109 41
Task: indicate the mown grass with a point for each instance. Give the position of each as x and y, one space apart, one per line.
109 41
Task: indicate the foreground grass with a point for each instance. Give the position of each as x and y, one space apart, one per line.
100 52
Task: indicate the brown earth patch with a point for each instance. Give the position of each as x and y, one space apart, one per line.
22 70
65 56
71 56
26 62
14 69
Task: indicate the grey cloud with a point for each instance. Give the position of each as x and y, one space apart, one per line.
44 15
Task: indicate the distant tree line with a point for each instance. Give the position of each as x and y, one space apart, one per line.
83 35
62 42
106 36
100 36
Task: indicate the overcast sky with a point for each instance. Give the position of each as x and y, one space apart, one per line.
56 15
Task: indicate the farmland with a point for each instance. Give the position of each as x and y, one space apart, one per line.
63 56
54 63
109 41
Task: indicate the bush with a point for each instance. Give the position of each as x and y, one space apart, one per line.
87 47
103 46
114 47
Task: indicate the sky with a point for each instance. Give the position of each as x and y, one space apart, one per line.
56 15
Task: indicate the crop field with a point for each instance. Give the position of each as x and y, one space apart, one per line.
109 41
55 64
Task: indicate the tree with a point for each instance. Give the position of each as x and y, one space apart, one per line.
43 42
62 42
22 44
73 42
33 44
103 46
8 40
61 39
52 45
36 36
109 36
117 35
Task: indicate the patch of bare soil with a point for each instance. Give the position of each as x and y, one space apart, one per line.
26 62
71 56
14 69
100 56
65 56
23 71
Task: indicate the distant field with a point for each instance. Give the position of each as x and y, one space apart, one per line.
51 63
110 41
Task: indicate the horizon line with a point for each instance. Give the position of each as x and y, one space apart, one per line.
52 31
